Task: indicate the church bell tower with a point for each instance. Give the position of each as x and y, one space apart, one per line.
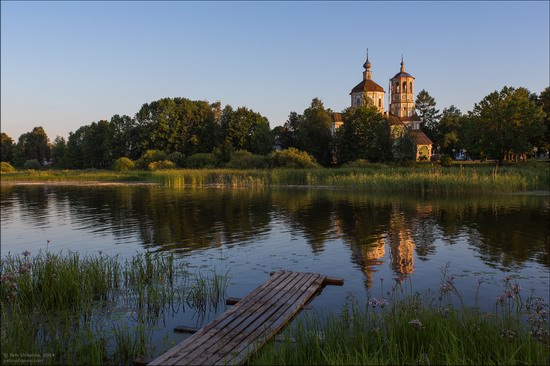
402 97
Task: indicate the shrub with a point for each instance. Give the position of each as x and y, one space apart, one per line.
293 158
201 160
6 168
161 165
359 163
32 164
148 157
178 158
123 164
445 160
243 159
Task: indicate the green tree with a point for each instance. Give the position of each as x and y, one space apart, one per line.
509 121
429 115
6 148
126 137
364 135
58 151
178 125
245 129
33 145
313 134
447 133
543 100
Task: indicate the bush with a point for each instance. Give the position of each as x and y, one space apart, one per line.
201 160
243 159
6 168
161 165
150 156
293 158
359 163
32 164
445 160
123 164
178 158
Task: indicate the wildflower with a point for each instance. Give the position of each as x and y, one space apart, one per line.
508 334
516 288
417 324
26 253
399 279
501 299
377 302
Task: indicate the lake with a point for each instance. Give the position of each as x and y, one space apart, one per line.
366 239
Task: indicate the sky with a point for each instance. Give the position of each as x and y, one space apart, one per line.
68 64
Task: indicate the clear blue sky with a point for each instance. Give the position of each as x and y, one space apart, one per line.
67 64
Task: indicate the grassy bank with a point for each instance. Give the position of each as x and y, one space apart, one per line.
74 310
429 178
412 329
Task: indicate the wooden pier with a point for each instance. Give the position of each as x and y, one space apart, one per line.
250 323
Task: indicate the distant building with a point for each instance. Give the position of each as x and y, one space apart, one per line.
401 116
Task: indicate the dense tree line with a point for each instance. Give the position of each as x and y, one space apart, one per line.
504 125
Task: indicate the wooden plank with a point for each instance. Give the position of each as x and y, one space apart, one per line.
262 334
333 281
250 323
248 315
242 333
184 329
163 359
234 300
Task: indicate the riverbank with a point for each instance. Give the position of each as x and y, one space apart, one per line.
423 178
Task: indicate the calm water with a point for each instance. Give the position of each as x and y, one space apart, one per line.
365 239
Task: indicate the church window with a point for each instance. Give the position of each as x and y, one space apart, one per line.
411 86
404 87
379 102
397 87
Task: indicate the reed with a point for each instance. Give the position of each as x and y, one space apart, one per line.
421 178
93 309
402 327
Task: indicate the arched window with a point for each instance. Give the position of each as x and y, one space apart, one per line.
404 87
397 87
379 102
358 101
411 86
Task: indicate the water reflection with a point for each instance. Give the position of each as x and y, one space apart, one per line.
399 232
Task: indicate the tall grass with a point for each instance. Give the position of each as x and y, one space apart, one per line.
93 310
422 178
400 328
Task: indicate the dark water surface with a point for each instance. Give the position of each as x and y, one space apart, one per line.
365 239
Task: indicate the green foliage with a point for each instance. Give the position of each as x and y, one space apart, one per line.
243 159
178 124
178 158
505 122
448 130
429 116
445 160
6 167
245 129
313 132
6 148
201 160
365 135
359 163
58 152
161 165
33 145
150 156
32 164
292 158
123 164
91 146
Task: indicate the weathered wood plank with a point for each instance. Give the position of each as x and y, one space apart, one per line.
272 326
164 358
250 323
261 320
248 315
